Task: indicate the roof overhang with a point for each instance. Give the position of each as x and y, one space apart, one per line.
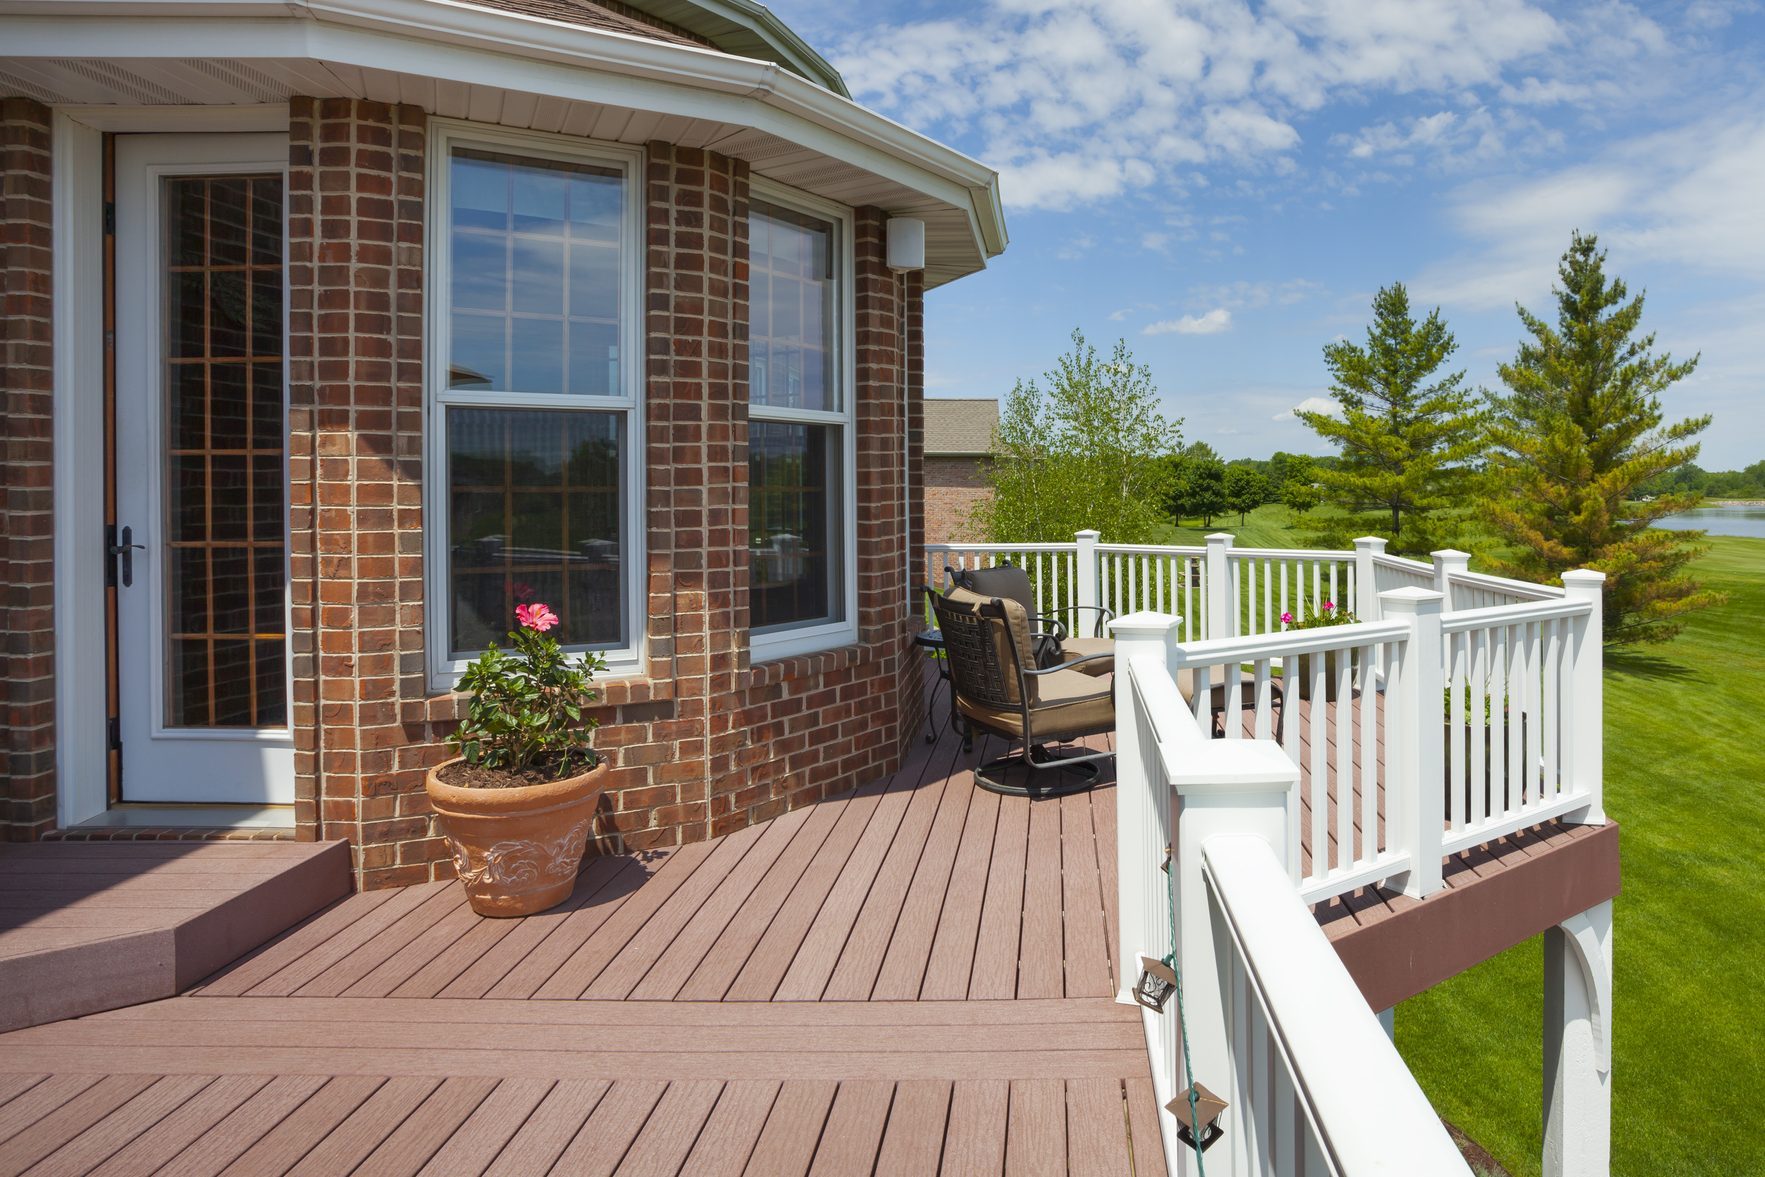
462 61
746 29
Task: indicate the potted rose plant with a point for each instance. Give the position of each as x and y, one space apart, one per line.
1321 617
517 804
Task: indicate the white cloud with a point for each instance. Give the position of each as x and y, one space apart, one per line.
1212 323
1083 101
1156 242
1311 404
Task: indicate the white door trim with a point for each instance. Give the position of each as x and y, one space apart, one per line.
77 277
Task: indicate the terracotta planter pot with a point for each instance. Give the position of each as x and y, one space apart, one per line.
1332 661
517 850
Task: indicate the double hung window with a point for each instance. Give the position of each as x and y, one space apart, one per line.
535 382
800 447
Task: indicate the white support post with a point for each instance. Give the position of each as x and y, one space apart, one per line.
1578 1045
1230 787
1366 573
1222 607
1449 562
1142 832
1415 801
1086 586
1585 691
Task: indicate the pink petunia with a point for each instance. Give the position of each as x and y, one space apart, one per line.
1329 605
537 616
1286 619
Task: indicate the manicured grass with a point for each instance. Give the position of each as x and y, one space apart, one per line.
1266 527
1685 777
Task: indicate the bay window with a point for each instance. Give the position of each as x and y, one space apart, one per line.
535 380
801 548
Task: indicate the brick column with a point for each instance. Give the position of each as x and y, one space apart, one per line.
355 227
27 648
913 663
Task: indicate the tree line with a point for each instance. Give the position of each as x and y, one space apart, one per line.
1567 465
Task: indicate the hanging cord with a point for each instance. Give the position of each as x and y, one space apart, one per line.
1182 1021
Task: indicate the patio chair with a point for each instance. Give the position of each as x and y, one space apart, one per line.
1055 644
1000 689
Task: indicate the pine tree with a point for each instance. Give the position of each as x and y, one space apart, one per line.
1089 450
1407 437
1577 436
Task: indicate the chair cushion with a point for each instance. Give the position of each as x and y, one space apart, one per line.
1085 647
1013 643
1066 705
1006 581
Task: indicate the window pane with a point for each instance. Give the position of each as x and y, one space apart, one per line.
796 545
534 514
536 257
792 300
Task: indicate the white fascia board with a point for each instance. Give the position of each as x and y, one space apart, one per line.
512 51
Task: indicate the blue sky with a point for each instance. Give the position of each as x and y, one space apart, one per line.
1225 186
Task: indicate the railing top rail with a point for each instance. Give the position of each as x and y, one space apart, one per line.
1152 549
1190 759
1215 651
1390 561
984 548
1330 1040
1288 554
1525 611
1502 584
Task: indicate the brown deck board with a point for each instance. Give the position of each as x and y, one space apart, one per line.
671 1129
793 1129
350 1143
472 1148
974 1141
1096 1146
153 1148
550 1128
1035 1139
19 1152
729 1135
994 974
302 1130
852 1136
1042 951
609 1132
410 1145
914 1138
952 954
1144 1136
903 966
93 1146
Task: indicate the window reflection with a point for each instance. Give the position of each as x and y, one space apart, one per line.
792 317
793 524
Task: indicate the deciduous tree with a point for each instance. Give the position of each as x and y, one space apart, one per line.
1088 448
1246 490
1578 432
1407 434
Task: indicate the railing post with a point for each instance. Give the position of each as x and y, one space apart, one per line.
1231 787
1086 585
1366 574
1449 562
1222 609
1141 830
1586 696
1415 763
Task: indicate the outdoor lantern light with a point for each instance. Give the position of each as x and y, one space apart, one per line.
1208 1108
906 243
1158 980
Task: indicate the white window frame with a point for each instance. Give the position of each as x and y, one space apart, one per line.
813 637
445 135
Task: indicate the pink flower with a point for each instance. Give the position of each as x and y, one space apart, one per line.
523 591
1329 605
537 616
1286 619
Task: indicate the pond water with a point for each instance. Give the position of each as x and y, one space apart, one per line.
1745 519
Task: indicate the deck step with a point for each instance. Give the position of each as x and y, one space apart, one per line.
92 926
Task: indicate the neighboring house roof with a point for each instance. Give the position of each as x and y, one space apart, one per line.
738 27
960 426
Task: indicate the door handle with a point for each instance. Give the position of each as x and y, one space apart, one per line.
123 553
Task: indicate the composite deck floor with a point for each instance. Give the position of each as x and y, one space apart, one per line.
911 978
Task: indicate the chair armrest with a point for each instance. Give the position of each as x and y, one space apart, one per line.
1103 616
1073 663
1058 633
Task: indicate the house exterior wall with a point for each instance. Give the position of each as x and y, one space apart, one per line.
708 741
954 486
27 647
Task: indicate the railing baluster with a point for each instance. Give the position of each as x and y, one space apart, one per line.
1369 716
1264 698
1476 727
1320 768
1344 716
1498 721
1553 652
1458 645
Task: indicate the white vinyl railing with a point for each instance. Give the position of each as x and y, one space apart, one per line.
1273 1023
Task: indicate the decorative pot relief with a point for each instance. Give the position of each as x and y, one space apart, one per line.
522 862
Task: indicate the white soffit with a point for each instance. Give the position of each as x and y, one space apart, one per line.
753 111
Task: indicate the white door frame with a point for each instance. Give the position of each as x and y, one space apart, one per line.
77 204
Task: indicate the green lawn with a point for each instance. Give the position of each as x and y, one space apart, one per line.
1685 773
1266 527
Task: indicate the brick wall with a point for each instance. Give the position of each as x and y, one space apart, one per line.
953 488
708 742
27 646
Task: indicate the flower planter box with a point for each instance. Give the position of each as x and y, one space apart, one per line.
1332 671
